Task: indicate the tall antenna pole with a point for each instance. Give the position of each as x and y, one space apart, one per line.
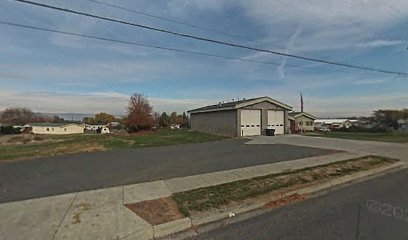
301 102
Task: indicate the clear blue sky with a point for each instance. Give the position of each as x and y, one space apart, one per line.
55 73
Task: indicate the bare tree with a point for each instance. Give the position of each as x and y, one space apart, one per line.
17 116
139 113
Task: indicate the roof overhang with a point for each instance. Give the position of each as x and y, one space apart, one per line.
212 110
306 115
264 99
244 104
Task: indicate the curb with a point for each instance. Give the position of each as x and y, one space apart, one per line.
213 221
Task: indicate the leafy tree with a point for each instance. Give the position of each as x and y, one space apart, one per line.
156 117
57 119
173 118
389 118
104 118
164 120
139 113
88 120
17 116
186 121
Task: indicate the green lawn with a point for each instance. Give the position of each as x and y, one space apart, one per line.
23 146
398 137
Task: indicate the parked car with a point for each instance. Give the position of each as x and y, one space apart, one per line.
324 129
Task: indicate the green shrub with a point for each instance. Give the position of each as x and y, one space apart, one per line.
9 130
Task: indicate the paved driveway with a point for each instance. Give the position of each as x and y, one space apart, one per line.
62 174
387 149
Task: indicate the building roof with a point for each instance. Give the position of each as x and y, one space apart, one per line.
296 114
334 121
239 104
50 124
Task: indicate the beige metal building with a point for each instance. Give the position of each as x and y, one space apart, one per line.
302 121
249 117
56 128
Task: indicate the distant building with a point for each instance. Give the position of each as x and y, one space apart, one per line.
55 128
334 123
301 121
114 124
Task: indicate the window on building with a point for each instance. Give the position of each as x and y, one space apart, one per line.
48 129
65 129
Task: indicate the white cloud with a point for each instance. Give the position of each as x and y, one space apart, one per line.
369 81
281 68
382 43
329 24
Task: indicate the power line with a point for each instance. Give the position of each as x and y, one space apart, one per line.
134 43
215 41
168 19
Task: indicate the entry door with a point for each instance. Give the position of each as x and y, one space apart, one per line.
276 121
250 122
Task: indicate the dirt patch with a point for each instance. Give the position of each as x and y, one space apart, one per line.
157 211
285 201
18 139
82 207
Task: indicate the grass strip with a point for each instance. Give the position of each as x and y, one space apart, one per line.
397 137
215 196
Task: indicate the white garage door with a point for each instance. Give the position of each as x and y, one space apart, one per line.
276 121
250 122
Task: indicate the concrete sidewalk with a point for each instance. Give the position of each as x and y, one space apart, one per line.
386 149
101 214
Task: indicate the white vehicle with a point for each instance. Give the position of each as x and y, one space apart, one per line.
324 129
105 130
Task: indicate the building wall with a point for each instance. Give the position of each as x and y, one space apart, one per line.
301 122
265 106
221 122
68 129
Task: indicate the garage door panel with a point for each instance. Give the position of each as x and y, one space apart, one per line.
250 122
276 121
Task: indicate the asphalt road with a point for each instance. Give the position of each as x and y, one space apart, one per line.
373 210
63 174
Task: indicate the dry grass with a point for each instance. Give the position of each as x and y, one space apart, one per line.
214 197
30 146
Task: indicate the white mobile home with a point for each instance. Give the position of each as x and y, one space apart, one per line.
56 128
